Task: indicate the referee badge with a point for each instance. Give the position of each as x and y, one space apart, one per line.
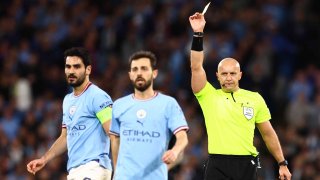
248 112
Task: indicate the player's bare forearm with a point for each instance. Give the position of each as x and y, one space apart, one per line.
171 156
115 142
176 162
181 141
58 147
106 127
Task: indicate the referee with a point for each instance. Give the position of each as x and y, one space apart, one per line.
231 115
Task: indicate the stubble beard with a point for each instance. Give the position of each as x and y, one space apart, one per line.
142 87
78 82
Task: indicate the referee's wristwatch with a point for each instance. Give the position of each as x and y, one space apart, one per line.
283 163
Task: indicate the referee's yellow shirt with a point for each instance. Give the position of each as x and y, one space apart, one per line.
230 119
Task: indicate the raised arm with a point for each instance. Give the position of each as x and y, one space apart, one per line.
272 142
58 147
198 75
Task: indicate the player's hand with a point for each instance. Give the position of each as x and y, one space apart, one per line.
284 173
169 156
197 22
35 165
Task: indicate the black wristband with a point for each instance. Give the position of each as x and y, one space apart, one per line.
197 43
283 163
198 34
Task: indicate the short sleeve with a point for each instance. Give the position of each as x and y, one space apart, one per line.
263 113
115 124
101 101
201 94
176 118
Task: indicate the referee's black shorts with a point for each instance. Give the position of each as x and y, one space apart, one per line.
231 167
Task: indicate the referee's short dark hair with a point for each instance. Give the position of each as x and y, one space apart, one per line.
144 54
80 52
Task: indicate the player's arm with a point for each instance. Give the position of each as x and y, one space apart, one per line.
272 142
198 75
104 117
171 157
57 148
106 126
176 162
115 142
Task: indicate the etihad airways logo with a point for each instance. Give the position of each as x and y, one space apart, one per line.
140 136
76 129
149 134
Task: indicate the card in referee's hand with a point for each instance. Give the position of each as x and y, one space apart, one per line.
205 8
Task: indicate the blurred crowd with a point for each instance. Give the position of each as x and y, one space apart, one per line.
277 43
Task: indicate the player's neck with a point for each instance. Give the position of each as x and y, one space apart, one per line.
80 89
143 95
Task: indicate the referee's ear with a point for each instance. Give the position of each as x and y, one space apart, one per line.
240 75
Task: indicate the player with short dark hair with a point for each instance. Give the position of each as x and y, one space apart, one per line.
85 124
143 124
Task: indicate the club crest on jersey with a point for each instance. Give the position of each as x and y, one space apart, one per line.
248 112
72 110
141 114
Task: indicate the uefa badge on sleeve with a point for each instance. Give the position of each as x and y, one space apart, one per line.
248 112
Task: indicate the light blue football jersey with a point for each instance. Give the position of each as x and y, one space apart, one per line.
145 128
86 138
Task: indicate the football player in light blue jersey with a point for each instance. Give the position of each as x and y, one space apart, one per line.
143 124
85 124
